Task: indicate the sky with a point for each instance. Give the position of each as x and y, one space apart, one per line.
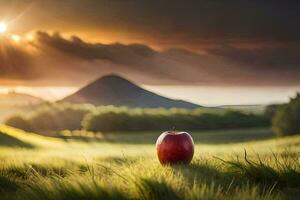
206 51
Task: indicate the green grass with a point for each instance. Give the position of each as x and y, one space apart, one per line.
54 169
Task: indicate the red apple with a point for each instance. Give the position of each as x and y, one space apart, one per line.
175 147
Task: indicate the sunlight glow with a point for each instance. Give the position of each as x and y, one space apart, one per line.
29 37
3 27
16 38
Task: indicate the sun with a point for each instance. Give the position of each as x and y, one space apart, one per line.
3 27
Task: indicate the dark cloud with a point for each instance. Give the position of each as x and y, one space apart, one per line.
192 23
15 63
280 58
189 23
55 60
118 53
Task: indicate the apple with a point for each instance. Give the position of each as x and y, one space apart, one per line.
175 147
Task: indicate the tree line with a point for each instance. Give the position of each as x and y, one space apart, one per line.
64 116
285 118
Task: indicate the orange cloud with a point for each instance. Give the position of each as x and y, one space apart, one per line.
51 59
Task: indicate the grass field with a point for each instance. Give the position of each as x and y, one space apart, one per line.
124 166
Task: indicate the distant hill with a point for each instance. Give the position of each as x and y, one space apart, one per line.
118 91
13 102
18 99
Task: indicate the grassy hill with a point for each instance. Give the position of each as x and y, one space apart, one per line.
125 167
10 136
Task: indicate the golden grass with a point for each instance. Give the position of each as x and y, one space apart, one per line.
60 169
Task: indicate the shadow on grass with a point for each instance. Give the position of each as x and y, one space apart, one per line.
153 189
237 173
30 171
7 184
59 190
9 141
8 187
204 173
286 174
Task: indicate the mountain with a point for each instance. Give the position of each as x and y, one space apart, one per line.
118 91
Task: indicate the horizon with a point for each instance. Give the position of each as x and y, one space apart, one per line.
215 96
215 58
